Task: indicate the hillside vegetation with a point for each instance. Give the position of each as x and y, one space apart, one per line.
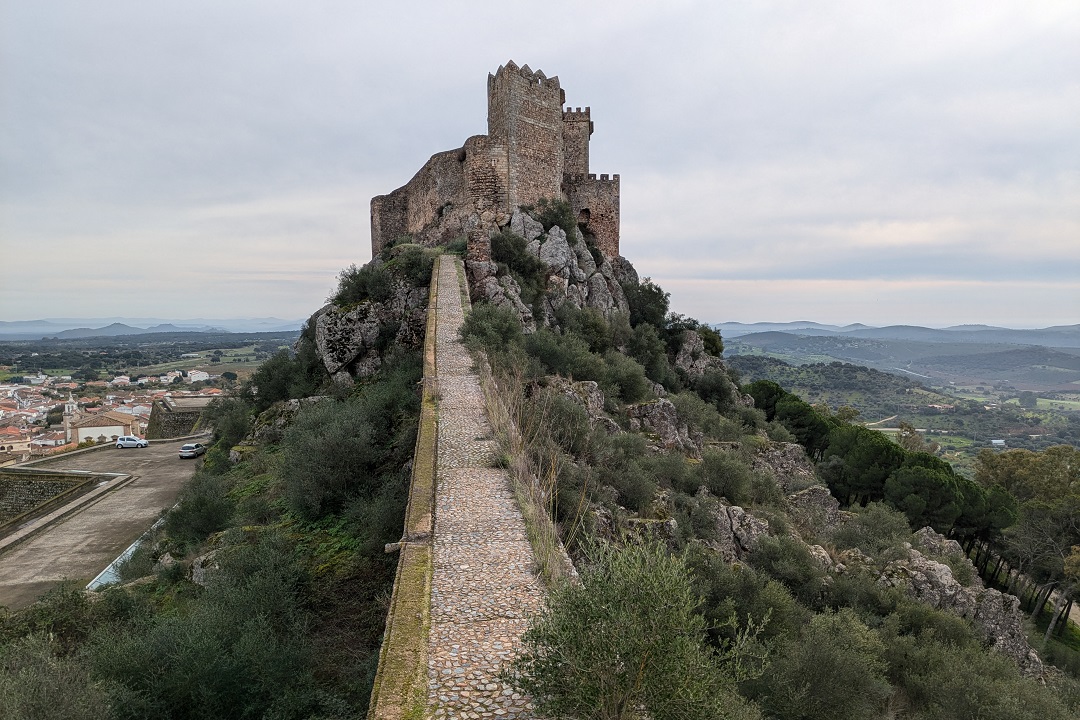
739 553
265 592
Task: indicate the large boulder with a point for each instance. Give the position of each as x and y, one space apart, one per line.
523 225
349 340
588 395
788 463
692 358
996 615
737 530
816 507
660 422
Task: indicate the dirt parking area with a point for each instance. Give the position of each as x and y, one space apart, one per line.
83 543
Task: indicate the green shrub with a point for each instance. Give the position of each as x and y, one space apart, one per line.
337 450
281 377
646 346
738 590
834 671
566 355
511 251
790 562
624 378
204 508
874 529
412 263
241 650
554 211
357 285
648 303
492 328
330 454
38 684
705 418
944 680
625 642
725 475
587 323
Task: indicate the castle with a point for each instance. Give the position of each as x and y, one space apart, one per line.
534 149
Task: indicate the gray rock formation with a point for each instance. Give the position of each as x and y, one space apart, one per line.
348 339
203 567
661 424
270 425
738 531
573 274
588 395
523 225
692 358
815 506
788 463
996 615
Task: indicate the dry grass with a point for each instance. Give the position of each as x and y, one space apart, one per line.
536 493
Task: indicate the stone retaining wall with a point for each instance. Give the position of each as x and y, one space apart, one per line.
20 493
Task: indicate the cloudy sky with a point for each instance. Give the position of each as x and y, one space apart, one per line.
863 161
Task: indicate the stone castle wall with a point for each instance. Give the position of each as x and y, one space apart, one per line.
577 128
595 201
534 149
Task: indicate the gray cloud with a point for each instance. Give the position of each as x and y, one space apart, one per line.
931 147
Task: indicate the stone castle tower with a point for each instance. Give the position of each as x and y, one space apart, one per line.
533 149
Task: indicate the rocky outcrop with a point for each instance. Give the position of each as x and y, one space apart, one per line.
693 360
502 291
350 341
269 426
737 530
203 567
573 274
816 507
588 395
661 424
996 615
788 463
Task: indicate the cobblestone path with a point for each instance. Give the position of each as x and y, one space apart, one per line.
483 584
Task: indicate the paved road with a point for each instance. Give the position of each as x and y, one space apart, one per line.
85 542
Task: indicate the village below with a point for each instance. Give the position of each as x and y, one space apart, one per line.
58 395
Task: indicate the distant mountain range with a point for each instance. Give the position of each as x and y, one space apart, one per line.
1061 336
114 326
1046 359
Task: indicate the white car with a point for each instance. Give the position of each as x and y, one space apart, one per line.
128 441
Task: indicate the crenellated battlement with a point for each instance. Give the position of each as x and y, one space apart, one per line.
577 115
538 77
534 149
591 177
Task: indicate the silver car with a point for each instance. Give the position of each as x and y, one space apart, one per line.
130 441
192 450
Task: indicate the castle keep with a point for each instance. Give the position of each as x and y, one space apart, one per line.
533 149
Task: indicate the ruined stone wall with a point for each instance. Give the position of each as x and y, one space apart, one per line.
525 115
485 177
164 423
577 127
438 187
388 218
595 201
19 494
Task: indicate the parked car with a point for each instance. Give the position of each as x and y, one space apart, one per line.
192 450
126 441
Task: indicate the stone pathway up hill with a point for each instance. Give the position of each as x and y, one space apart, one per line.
483 586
